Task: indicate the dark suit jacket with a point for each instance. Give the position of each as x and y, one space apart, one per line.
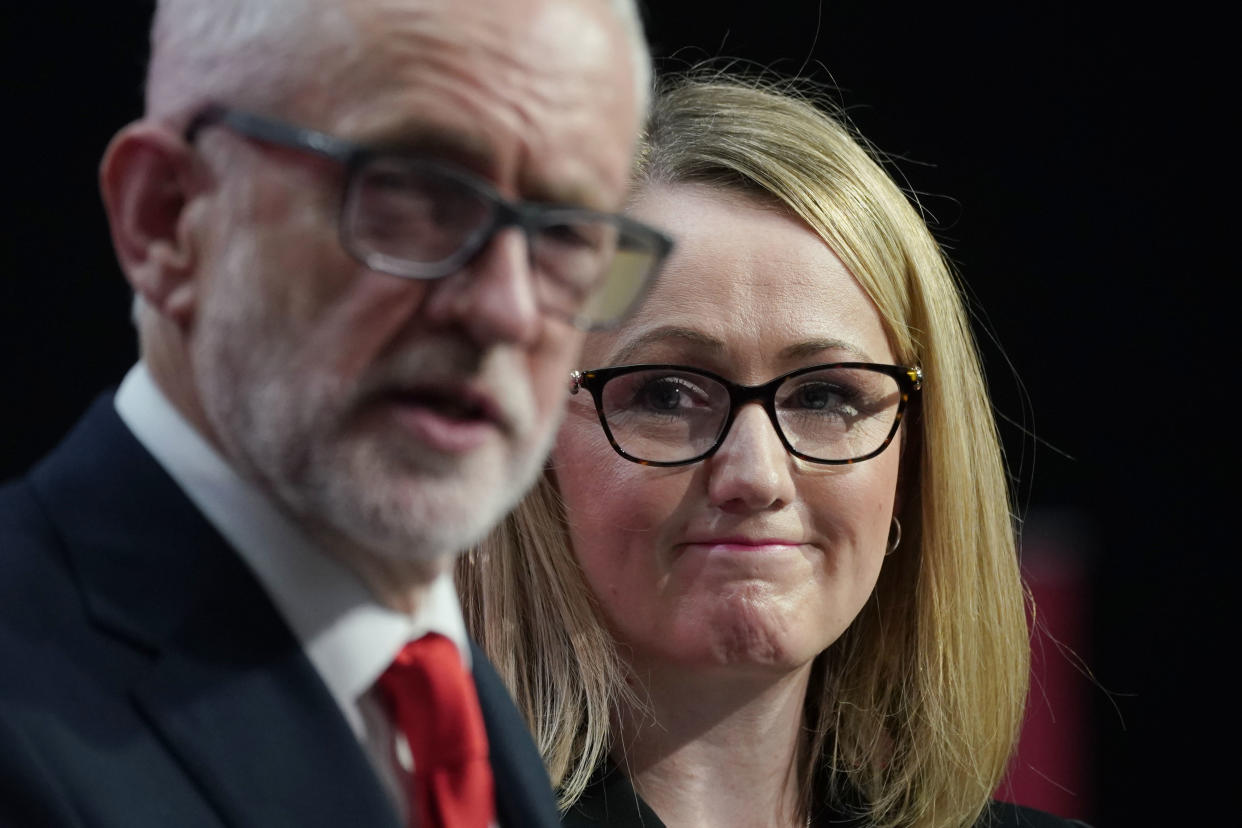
147 680
611 802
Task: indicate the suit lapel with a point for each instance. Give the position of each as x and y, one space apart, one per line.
228 689
523 792
236 700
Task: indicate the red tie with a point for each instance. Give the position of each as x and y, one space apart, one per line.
434 704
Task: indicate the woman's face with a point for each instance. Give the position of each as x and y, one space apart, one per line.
751 559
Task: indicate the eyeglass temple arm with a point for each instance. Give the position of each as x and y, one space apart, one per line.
271 132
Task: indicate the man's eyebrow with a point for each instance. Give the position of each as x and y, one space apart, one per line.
477 154
570 194
419 138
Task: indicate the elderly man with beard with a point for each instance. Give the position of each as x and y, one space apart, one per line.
364 238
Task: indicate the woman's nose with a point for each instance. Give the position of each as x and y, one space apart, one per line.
751 471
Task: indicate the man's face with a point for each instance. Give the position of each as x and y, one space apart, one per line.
398 416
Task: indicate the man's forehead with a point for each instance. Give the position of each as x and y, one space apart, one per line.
479 153
522 100
526 29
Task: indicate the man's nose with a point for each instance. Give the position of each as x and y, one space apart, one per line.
493 297
751 471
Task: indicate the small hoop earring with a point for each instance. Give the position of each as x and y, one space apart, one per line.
894 537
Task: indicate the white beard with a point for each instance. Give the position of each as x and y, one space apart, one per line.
294 428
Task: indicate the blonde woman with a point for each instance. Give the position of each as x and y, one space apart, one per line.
769 577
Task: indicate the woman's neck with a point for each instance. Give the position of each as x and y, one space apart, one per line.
716 750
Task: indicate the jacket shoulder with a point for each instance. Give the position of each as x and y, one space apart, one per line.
23 522
33 569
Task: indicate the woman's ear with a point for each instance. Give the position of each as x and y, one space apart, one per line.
148 176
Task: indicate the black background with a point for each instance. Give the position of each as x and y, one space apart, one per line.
1076 165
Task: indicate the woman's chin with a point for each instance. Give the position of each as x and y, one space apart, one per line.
749 642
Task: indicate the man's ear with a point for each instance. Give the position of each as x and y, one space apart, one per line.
148 177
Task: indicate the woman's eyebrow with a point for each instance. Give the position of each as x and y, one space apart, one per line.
665 333
710 345
814 347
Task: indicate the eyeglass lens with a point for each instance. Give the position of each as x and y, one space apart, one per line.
833 414
417 219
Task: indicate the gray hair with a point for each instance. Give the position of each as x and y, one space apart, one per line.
246 52
628 13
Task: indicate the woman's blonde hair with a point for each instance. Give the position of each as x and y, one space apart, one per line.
913 712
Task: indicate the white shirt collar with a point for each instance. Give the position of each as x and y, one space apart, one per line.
348 636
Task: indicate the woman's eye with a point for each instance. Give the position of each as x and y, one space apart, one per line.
819 396
665 395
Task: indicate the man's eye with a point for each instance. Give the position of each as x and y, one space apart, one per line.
577 235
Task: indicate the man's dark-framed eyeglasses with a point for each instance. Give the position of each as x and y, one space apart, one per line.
672 415
421 218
